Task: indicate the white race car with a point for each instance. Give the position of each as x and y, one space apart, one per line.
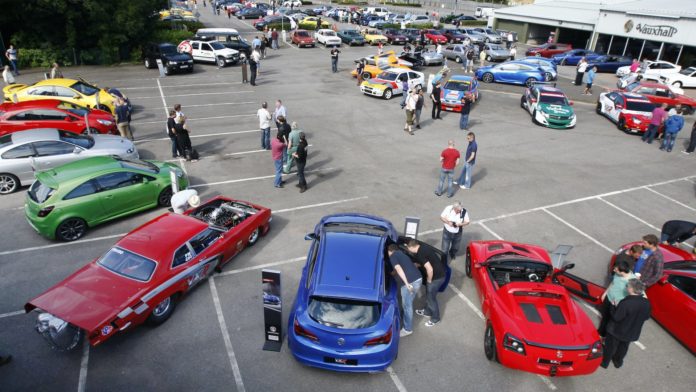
327 37
654 71
389 83
684 78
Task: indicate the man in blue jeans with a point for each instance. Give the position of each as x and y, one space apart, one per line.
453 217
673 125
428 259
449 158
466 108
469 162
409 279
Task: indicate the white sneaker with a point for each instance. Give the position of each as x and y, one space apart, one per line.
463 187
454 182
404 333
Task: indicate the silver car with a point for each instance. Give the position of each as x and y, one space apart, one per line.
495 52
21 153
455 52
474 36
431 57
489 35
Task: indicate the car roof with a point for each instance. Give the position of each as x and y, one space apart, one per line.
79 169
461 78
156 239
633 96
56 82
351 266
34 135
549 89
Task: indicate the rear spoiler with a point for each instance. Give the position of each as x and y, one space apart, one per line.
534 83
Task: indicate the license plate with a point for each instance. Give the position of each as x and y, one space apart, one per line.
184 66
341 361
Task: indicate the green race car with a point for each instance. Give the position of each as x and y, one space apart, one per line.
63 202
548 106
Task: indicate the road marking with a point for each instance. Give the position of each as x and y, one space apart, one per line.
547 382
669 198
467 301
261 266
11 314
106 237
194 95
226 336
629 214
181 85
250 152
250 179
195 136
399 386
196 119
84 364
493 233
589 237
328 203
163 100
640 345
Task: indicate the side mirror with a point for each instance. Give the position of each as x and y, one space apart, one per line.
663 280
77 97
568 266
571 103
310 236
77 150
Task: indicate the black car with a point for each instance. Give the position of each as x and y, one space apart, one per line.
274 21
309 12
463 18
250 13
454 36
413 35
172 60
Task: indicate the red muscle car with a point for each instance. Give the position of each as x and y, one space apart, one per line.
143 276
51 113
661 93
532 322
548 50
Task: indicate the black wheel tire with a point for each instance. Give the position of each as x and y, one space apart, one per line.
254 236
677 84
467 263
366 76
489 58
71 229
522 102
621 124
529 82
162 311
165 197
548 76
563 62
190 70
8 183
457 59
104 108
220 62
388 94
687 109
487 77
598 108
537 55
489 344
147 63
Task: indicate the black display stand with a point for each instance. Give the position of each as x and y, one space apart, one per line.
272 310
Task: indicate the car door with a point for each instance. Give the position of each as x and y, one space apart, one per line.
84 201
581 288
414 80
207 53
124 191
51 118
196 51
673 304
619 104
197 259
26 119
52 153
18 161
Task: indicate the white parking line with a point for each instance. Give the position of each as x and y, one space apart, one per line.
84 364
61 244
164 102
629 214
467 301
180 85
10 314
493 233
669 198
250 179
547 382
582 233
250 152
194 95
195 136
399 385
197 119
261 266
226 336
328 203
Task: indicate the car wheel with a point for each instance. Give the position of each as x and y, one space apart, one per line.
487 77
467 263
147 63
388 94
254 236
220 62
71 229
687 109
563 62
548 76
537 54
104 108
534 120
529 82
165 197
621 124
162 311
458 59
677 84
489 58
366 75
8 183
489 347
598 109
522 102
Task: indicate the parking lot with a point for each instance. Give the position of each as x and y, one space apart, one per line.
592 187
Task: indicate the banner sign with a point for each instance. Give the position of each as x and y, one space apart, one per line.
272 310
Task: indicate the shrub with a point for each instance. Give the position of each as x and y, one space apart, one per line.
30 58
403 4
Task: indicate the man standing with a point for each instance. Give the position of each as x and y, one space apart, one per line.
334 59
482 55
11 55
510 39
274 39
469 162
301 158
651 263
253 65
580 71
590 79
279 112
256 43
420 102
676 231
658 118
673 125
122 119
359 68
435 97
409 280
429 260
692 141
626 324
293 144
635 65
466 101
470 60
278 147
265 124
454 217
410 111
171 132
449 159
404 89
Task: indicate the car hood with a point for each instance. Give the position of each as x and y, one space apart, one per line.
111 145
450 95
304 39
88 298
501 52
378 82
177 57
545 314
556 110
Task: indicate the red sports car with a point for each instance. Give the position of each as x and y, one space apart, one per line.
51 113
434 36
661 93
548 50
143 276
532 322
673 298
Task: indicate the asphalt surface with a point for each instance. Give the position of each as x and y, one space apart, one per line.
592 187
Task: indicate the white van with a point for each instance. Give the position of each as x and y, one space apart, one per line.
379 11
483 12
226 36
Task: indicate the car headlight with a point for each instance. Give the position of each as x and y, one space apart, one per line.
513 344
544 114
130 150
105 122
189 61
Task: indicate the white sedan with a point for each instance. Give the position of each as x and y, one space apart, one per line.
654 70
327 37
684 78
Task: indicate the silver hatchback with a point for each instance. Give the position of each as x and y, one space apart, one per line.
496 52
22 153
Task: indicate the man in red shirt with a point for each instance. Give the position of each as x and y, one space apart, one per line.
659 115
449 158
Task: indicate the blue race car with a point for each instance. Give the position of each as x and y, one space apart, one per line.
454 90
550 69
514 72
573 56
346 314
609 63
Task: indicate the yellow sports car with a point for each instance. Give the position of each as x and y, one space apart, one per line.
69 90
310 23
376 64
374 36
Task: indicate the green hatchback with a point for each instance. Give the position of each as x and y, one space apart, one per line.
63 202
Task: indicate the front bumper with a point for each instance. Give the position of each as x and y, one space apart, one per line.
374 90
180 66
451 106
232 60
558 122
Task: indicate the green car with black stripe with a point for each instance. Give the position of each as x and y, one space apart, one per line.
548 106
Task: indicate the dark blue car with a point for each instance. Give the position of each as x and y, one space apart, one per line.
346 314
514 72
573 56
609 63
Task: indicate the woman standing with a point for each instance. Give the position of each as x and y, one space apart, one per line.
301 159
183 140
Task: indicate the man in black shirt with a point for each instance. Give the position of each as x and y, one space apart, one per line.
171 132
334 59
435 97
675 231
428 260
409 279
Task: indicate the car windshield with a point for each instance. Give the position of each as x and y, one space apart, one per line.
348 227
388 76
495 47
343 313
168 49
458 85
40 192
217 45
127 264
84 141
74 109
639 105
84 88
329 33
137 164
5 140
302 34
351 32
553 99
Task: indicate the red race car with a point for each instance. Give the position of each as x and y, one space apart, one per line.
661 93
631 112
51 113
673 297
548 50
143 276
532 322
434 36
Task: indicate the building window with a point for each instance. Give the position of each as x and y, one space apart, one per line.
602 44
651 50
617 46
688 56
633 49
670 52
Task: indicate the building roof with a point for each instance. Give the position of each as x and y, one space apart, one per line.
585 12
656 8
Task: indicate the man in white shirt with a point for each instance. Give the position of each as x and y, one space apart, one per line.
279 111
454 217
265 124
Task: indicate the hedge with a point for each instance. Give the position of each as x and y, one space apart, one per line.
30 58
403 4
349 2
309 26
306 2
473 23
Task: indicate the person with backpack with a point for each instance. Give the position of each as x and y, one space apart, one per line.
673 125
183 140
171 132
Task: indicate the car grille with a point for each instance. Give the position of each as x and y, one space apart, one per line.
563 118
370 90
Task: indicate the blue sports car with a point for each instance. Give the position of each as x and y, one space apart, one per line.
573 56
609 63
454 90
515 72
346 314
550 69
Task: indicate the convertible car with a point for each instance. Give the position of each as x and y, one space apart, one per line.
375 65
532 322
77 92
143 276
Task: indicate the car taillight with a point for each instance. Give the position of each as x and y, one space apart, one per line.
303 332
45 211
597 351
513 344
384 339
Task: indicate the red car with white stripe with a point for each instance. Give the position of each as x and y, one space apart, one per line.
630 112
143 276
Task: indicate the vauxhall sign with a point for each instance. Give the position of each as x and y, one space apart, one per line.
652 30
